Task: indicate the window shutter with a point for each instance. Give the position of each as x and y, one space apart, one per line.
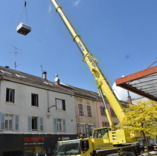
38 123
41 124
55 125
16 122
64 126
29 123
1 121
2 124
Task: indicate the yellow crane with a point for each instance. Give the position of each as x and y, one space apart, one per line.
105 140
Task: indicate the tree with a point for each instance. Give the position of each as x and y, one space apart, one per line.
142 117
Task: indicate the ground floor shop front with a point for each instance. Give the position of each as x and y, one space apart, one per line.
30 144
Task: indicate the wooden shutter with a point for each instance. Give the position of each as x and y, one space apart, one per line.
64 126
55 125
1 121
16 122
41 123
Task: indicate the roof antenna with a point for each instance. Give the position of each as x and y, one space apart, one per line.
15 52
41 67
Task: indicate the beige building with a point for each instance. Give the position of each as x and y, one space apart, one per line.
85 110
90 110
102 118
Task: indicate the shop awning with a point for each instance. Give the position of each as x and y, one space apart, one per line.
143 83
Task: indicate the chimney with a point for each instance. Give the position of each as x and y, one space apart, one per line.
44 75
56 79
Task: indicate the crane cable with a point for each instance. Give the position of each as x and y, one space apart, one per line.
24 16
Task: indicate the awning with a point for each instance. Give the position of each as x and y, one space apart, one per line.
143 83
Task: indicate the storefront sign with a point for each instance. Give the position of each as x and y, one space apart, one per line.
34 139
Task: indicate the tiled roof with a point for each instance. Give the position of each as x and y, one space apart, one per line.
35 81
82 92
28 79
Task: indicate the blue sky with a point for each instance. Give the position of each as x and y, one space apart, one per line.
121 34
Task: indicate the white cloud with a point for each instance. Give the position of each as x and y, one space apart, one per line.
77 2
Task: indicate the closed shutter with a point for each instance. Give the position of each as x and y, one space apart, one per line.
55 125
29 123
64 126
38 123
41 122
16 122
1 121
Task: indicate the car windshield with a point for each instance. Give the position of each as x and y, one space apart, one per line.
71 147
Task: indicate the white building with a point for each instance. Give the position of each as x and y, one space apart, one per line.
34 112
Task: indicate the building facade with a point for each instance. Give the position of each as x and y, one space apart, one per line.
90 111
34 113
86 115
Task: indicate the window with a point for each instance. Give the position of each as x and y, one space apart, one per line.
8 121
80 108
35 100
10 95
112 112
89 111
59 125
90 130
105 124
60 104
85 129
81 128
34 123
102 110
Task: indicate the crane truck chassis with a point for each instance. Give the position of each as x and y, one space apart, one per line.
90 147
105 141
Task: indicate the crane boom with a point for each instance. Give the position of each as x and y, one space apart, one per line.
101 80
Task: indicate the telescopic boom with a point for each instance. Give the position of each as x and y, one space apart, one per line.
101 81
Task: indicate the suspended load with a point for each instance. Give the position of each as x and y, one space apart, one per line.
22 28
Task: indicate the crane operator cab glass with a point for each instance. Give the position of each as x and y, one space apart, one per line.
101 132
71 147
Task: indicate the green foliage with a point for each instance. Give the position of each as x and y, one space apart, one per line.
142 117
